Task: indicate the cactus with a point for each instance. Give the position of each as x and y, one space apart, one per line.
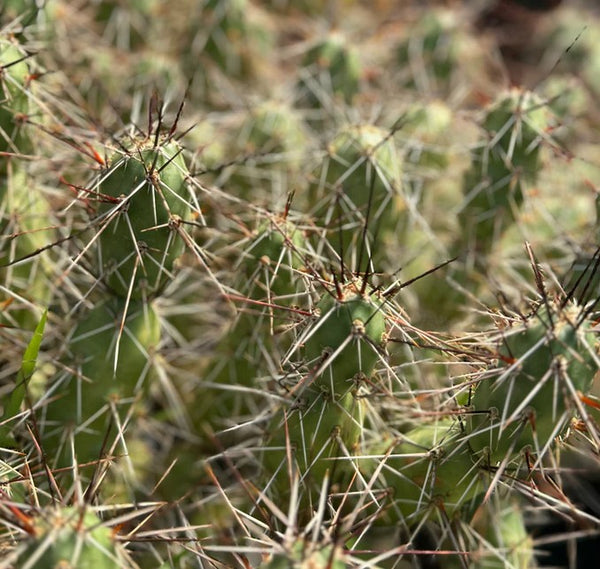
358 193
270 281
428 126
429 469
272 143
111 350
25 274
517 126
234 36
505 530
70 536
25 215
321 431
320 426
26 12
429 55
331 69
125 25
142 200
231 379
347 339
545 362
14 101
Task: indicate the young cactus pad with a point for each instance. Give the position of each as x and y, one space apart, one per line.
505 528
14 100
321 432
362 176
430 467
347 339
143 197
545 363
332 68
429 55
269 274
69 537
516 125
231 34
276 251
111 365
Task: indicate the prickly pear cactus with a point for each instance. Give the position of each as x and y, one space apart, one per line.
348 338
292 330
546 361
14 101
233 36
71 537
272 141
428 56
505 529
271 282
330 69
517 125
111 350
27 277
429 470
142 201
311 442
315 434
358 192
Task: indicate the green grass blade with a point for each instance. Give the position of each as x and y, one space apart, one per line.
15 399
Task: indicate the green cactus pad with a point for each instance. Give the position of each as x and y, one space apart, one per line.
517 124
360 183
532 396
429 127
273 127
14 101
429 55
504 527
277 250
323 431
104 374
430 468
28 228
233 35
143 198
69 537
347 338
332 69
